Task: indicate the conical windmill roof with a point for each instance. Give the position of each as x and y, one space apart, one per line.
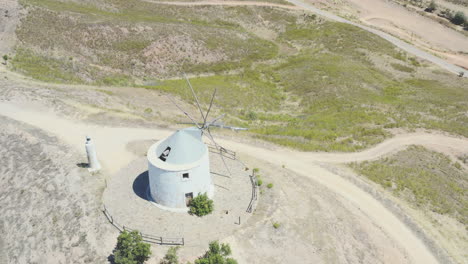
182 149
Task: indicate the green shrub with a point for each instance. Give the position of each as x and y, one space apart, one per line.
201 205
251 115
414 62
432 6
131 249
459 18
148 110
171 256
276 225
5 57
259 182
256 170
217 254
270 185
458 165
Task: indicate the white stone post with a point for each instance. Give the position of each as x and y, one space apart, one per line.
93 162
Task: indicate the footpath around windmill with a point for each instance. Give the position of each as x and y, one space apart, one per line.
152 193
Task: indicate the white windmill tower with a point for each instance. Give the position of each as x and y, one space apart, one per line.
179 166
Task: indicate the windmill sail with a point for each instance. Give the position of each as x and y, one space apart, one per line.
205 126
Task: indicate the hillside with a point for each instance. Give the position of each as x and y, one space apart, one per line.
305 82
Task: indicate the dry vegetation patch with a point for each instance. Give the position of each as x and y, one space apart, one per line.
426 179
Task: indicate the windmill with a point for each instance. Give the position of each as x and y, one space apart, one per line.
205 126
178 166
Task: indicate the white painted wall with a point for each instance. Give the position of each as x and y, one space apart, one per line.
168 188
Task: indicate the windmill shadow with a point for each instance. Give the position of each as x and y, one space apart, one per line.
140 185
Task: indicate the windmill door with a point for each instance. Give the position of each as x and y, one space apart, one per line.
188 198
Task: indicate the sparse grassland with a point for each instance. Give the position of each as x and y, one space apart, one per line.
292 78
240 91
425 178
119 42
402 68
282 2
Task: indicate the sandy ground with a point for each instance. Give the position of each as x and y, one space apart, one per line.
316 226
50 209
126 198
9 19
410 26
111 144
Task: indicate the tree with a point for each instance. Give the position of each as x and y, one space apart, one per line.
459 18
217 254
432 6
201 205
171 256
131 249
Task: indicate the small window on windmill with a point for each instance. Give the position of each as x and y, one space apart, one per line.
165 154
185 176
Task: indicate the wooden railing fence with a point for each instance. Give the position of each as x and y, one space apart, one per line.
146 237
253 181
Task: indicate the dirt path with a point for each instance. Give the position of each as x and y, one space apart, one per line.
445 144
111 146
419 30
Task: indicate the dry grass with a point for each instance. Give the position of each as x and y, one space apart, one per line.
425 178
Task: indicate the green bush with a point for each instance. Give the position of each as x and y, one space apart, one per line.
459 18
256 170
432 6
217 254
171 256
276 225
201 205
259 182
251 115
5 57
270 185
131 249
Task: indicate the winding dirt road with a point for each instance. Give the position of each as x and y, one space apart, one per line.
111 146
